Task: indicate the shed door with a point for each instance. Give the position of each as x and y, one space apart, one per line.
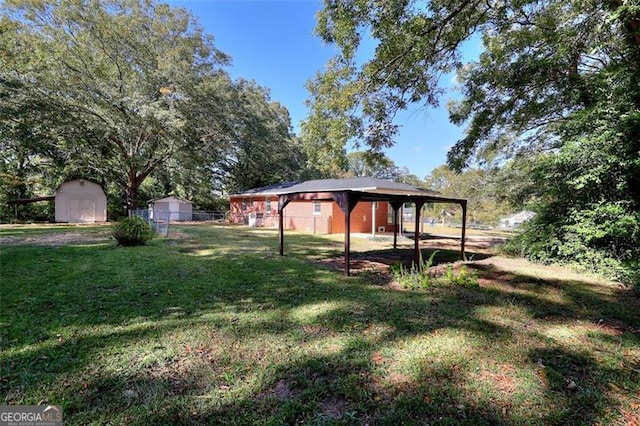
82 210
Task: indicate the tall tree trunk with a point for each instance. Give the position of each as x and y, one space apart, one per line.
132 190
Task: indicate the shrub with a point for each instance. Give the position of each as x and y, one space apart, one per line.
416 276
424 277
132 231
463 277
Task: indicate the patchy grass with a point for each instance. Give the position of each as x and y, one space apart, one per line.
211 326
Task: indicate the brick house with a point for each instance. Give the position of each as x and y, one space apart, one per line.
259 207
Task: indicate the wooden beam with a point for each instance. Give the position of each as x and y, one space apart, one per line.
283 200
416 233
395 205
464 229
347 242
31 200
347 200
311 196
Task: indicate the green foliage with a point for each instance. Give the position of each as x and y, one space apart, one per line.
463 277
479 186
417 276
127 102
265 150
555 88
132 231
590 216
145 96
421 276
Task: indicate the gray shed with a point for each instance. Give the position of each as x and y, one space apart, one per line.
80 201
172 208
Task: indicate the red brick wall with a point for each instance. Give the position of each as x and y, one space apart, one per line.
300 215
361 217
253 205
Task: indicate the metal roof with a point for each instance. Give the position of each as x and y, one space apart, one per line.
276 189
357 184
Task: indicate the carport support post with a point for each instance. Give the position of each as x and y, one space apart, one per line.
395 205
283 200
347 241
347 201
416 247
464 229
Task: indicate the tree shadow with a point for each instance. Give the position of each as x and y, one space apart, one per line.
354 334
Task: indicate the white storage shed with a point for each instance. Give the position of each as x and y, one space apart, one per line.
172 208
80 201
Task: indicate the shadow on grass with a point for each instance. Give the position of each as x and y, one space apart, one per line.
214 327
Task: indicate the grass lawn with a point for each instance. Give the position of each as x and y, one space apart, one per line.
211 326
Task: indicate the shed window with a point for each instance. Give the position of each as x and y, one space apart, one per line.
317 208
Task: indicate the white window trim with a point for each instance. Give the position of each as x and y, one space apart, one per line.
314 204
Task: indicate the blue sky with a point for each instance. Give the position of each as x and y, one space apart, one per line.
272 42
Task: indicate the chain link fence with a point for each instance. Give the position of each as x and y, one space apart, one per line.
160 221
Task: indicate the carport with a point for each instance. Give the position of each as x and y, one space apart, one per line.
349 192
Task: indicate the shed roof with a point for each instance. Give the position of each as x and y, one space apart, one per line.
171 198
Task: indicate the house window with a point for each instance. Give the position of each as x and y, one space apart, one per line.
267 205
390 215
244 204
317 208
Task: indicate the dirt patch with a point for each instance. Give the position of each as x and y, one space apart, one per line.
481 245
501 378
333 408
283 390
59 239
379 261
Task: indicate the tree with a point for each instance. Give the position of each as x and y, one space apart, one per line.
265 150
478 186
557 82
119 86
377 165
538 59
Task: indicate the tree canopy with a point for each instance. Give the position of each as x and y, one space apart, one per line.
120 90
478 186
556 88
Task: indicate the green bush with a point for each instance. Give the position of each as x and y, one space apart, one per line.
132 231
415 277
463 277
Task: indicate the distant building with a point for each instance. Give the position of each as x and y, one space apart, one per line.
171 208
80 201
515 220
